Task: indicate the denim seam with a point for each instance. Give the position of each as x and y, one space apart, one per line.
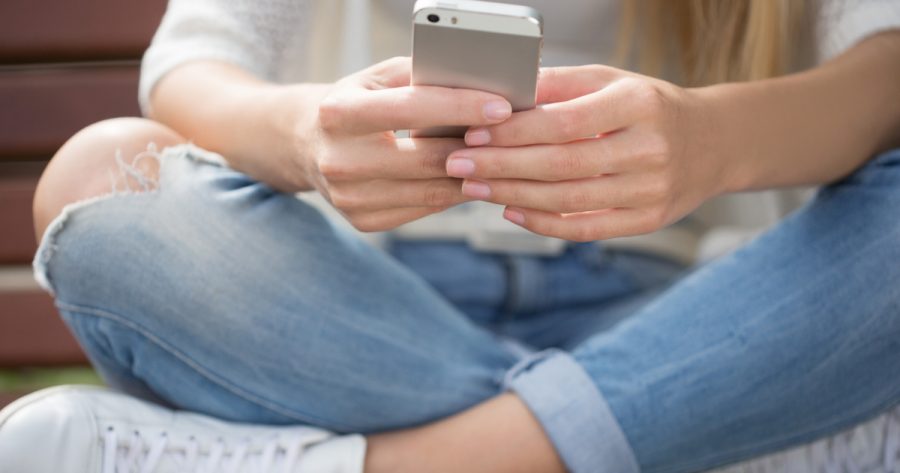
852 341
206 373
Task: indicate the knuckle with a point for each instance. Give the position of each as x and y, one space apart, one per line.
431 161
345 200
514 195
568 124
330 113
595 71
510 132
569 161
659 189
461 109
368 223
438 195
656 218
666 186
401 105
600 71
658 159
578 200
583 233
658 151
333 169
647 96
396 61
405 102
494 164
377 75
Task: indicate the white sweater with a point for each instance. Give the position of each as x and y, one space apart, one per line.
321 40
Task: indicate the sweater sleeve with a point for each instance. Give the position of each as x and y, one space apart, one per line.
255 35
844 23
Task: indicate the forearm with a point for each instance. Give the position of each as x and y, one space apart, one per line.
257 126
809 128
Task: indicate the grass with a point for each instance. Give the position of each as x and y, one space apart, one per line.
31 379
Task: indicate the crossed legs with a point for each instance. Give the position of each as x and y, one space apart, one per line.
791 338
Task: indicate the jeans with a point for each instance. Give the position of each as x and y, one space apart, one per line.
216 294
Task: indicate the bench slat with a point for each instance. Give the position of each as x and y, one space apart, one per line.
43 108
76 30
17 244
32 334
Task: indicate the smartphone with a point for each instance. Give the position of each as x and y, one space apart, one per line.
494 47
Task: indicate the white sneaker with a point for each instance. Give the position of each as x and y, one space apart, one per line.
871 447
79 429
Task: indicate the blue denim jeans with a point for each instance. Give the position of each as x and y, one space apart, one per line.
216 294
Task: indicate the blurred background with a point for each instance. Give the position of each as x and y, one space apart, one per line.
64 64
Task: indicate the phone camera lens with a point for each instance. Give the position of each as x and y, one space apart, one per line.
434 18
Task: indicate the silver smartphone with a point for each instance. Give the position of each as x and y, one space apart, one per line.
495 47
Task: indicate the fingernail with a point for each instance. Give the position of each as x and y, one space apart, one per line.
478 137
514 216
460 167
497 110
478 190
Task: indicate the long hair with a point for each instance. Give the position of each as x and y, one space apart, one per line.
713 40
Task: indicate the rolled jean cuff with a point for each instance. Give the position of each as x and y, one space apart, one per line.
573 413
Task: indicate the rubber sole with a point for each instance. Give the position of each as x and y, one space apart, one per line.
39 396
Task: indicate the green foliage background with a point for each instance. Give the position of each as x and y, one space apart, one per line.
31 379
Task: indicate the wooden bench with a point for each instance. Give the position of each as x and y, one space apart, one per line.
64 64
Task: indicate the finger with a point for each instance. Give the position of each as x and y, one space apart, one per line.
390 73
561 84
565 196
610 154
588 116
406 158
582 227
388 194
409 108
384 220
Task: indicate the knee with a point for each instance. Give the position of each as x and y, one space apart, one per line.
82 166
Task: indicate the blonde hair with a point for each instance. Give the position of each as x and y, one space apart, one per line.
714 40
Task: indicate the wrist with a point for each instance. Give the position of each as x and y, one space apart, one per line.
260 128
293 119
728 144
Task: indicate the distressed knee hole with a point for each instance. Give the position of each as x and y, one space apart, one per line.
139 174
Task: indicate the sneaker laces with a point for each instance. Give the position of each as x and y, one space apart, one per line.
136 453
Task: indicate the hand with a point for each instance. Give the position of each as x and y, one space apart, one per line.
607 154
378 181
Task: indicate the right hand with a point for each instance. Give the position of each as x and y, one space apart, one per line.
376 180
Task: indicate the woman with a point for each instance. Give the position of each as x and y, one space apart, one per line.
217 291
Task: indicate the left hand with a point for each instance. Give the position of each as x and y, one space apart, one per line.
608 154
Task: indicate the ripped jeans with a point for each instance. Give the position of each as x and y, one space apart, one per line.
216 294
